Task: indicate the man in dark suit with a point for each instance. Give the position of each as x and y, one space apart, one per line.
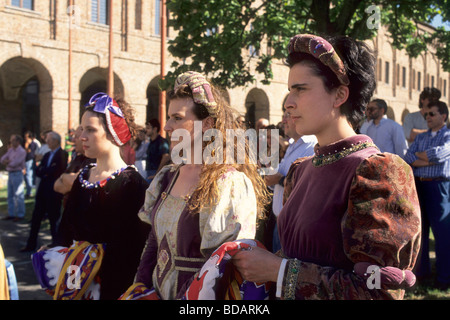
48 201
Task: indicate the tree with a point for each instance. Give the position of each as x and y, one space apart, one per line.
215 36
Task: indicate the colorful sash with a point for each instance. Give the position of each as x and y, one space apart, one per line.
217 272
139 291
47 265
217 280
70 273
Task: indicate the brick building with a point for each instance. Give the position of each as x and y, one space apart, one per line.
34 60
400 79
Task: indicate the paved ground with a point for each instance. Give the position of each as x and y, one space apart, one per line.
13 236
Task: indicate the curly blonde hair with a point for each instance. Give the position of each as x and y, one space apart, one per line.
206 193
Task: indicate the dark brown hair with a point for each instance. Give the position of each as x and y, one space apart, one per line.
359 63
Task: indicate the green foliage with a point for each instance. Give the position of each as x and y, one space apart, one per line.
216 36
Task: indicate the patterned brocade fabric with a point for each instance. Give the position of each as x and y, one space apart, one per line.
381 226
383 218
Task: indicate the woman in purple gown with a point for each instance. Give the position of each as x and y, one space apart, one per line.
349 209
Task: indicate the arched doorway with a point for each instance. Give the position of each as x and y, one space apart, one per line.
390 113
25 98
153 92
226 95
283 108
257 106
404 114
30 106
153 100
94 81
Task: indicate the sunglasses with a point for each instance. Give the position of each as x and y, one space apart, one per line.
431 114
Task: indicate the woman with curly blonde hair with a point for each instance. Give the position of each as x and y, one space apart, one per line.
196 206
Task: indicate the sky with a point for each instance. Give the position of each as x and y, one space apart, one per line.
437 22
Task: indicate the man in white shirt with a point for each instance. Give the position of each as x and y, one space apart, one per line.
414 123
300 146
386 133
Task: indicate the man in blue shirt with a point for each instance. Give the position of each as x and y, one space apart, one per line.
429 155
158 149
386 133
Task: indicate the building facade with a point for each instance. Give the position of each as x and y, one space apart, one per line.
34 66
401 79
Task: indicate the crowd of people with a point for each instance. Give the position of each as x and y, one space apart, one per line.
423 142
353 190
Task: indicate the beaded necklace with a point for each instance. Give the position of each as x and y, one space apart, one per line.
99 184
323 160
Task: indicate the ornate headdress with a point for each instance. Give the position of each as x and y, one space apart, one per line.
320 49
201 90
102 103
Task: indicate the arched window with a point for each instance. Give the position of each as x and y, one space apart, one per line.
445 88
138 15
418 80
99 11
26 4
386 70
157 17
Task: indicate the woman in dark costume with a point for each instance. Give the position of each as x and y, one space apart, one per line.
104 201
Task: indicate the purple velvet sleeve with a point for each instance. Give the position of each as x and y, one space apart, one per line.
148 261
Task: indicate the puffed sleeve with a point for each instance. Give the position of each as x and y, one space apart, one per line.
382 224
233 216
152 193
381 227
